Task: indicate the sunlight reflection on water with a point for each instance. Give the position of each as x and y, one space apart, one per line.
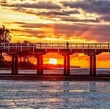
54 94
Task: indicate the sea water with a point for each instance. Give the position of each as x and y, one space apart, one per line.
73 71
55 94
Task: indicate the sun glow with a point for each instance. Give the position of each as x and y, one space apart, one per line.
53 61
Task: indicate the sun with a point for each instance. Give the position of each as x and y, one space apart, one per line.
53 61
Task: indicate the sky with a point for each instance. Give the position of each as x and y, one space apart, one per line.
59 21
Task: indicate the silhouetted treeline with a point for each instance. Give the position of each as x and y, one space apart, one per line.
21 65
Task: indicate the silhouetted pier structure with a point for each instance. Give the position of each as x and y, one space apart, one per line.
40 49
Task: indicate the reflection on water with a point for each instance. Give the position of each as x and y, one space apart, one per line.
92 87
54 94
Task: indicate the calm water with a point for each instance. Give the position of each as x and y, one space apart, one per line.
60 71
55 94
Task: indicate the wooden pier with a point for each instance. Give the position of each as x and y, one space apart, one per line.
64 49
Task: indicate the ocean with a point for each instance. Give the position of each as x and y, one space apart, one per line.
16 94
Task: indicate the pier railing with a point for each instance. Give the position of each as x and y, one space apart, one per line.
23 46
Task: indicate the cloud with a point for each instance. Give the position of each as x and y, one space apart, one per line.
3 1
29 33
47 12
79 20
58 13
62 15
50 12
58 9
105 18
91 6
39 5
99 33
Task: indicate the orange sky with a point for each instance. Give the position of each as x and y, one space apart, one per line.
59 21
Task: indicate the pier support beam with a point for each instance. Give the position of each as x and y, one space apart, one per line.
13 68
66 65
93 65
40 64
14 64
92 56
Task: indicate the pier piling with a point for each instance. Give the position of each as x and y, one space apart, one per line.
66 64
93 65
40 64
14 64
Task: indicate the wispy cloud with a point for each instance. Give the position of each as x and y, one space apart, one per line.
91 6
39 5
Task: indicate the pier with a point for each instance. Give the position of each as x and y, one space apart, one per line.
64 49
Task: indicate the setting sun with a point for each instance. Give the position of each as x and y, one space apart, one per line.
53 61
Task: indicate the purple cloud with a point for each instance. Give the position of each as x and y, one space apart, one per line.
39 5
